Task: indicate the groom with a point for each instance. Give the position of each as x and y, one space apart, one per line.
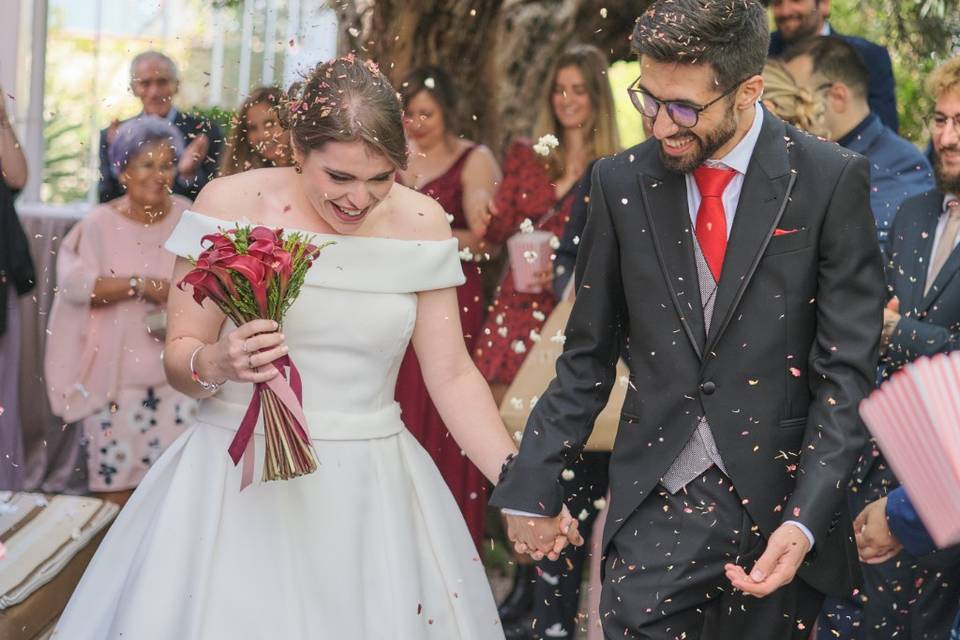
738 258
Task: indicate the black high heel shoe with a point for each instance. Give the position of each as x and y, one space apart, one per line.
519 602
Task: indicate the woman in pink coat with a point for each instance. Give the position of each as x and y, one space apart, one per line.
103 360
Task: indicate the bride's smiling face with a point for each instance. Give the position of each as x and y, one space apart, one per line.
345 181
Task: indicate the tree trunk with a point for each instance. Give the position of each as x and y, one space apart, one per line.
455 35
499 52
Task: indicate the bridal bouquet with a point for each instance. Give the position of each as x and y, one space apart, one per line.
256 273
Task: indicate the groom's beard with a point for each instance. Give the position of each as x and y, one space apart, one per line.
947 182
704 147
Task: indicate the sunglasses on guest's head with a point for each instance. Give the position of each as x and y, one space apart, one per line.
682 113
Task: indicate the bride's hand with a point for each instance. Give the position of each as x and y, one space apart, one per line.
241 354
542 536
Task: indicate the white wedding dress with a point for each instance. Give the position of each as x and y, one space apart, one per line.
370 546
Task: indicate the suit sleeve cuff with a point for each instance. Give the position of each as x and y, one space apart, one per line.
525 514
802 528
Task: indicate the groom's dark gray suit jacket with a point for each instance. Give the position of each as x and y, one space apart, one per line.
791 352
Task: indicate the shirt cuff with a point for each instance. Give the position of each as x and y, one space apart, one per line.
526 514
802 528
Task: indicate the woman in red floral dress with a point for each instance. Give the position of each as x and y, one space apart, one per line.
462 176
578 112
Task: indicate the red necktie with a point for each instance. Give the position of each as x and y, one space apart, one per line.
711 227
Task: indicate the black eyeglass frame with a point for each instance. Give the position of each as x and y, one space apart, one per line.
637 95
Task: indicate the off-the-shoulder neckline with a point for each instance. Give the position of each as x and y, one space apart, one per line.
226 224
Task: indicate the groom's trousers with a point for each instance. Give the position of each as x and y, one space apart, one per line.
664 572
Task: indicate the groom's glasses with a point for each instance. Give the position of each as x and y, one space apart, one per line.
683 114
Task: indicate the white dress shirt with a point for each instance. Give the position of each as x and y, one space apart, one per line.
737 159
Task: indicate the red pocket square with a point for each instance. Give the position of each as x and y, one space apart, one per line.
784 232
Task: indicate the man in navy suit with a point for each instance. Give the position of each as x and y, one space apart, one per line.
907 597
799 20
832 69
154 80
890 525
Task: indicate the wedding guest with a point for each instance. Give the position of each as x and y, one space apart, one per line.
833 69
903 597
789 101
17 278
103 362
891 524
462 176
801 20
154 80
257 139
578 111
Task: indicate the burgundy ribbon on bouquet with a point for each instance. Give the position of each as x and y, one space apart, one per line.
290 394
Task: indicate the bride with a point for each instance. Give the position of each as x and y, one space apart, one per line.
371 545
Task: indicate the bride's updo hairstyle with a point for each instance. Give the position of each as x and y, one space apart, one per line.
345 100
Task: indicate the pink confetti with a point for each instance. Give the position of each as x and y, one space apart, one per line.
796 512
795 372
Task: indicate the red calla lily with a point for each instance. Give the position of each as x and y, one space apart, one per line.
256 273
205 285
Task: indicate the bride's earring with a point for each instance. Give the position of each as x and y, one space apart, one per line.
297 167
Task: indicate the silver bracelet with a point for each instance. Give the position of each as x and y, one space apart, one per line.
206 386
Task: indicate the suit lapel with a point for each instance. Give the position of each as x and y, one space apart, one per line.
665 203
925 235
947 273
943 278
763 198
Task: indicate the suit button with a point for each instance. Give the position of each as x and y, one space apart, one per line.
708 387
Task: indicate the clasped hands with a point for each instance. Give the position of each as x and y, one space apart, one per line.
543 537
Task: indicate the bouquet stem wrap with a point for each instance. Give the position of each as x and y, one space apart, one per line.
286 433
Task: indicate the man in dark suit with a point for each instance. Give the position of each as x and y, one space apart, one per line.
904 597
832 69
892 524
154 80
799 20
738 257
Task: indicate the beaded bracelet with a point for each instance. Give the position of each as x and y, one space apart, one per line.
206 386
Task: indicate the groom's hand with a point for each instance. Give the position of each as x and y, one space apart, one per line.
543 536
777 566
